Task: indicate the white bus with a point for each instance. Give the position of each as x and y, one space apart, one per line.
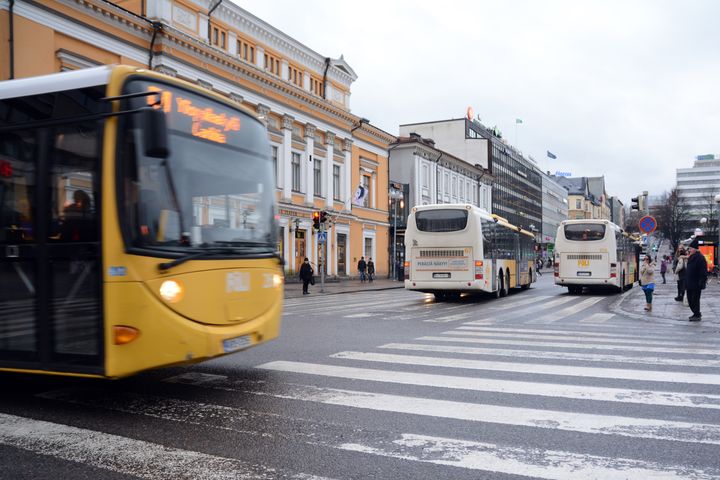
456 248
594 253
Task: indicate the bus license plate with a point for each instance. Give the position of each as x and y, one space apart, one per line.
237 343
584 274
441 275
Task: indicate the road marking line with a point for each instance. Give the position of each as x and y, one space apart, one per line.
598 318
450 318
526 462
563 337
583 333
532 343
537 355
125 455
534 368
476 412
566 312
516 302
552 390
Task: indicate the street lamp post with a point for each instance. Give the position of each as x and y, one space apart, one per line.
717 248
395 196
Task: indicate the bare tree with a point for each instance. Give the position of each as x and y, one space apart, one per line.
672 217
709 210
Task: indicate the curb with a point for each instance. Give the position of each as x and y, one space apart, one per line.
616 307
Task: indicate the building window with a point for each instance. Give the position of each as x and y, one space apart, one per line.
272 64
218 37
274 153
317 87
425 175
336 183
295 76
578 204
365 182
246 51
296 171
368 248
317 171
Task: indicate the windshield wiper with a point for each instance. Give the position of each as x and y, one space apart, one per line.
213 251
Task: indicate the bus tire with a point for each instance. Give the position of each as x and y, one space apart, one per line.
507 283
574 290
439 296
622 283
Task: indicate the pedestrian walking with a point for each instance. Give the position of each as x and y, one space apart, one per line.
306 275
370 269
647 277
695 279
362 267
663 268
680 270
538 266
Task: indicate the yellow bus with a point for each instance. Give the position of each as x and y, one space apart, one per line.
456 248
137 224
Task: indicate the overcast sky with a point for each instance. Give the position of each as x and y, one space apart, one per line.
626 89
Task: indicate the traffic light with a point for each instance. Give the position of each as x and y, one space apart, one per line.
316 220
323 216
635 203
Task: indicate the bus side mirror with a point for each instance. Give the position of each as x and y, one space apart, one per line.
155 133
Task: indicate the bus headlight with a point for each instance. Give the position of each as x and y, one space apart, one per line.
171 291
277 280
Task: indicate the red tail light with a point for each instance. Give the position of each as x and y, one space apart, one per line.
556 267
406 267
478 270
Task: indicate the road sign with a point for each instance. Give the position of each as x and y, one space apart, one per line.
322 237
647 224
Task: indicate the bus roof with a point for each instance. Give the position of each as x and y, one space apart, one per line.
484 214
55 82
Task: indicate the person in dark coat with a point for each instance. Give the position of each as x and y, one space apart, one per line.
362 266
370 269
695 279
306 274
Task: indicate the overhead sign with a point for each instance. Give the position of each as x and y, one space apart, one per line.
647 224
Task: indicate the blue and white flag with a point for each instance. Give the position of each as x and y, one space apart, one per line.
360 195
551 155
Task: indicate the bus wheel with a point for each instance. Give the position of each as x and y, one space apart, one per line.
622 283
439 296
501 288
574 290
507 283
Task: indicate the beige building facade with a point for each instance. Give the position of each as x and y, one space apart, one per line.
322 151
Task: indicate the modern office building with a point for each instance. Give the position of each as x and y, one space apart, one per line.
517 186
697 187
322 151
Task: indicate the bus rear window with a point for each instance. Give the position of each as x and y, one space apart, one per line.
448 220
585 231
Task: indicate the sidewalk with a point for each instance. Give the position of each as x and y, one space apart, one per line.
667 310
294 289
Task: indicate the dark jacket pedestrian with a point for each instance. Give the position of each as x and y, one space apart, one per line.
695 279
680 270
306 275
370 269
362 267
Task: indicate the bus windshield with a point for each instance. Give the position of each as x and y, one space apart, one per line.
445 220
216 186
584 231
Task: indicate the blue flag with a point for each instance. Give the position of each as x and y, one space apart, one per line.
550 154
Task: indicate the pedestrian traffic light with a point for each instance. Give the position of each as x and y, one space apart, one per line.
635 203
323 216
316 220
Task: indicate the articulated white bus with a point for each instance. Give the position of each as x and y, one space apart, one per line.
594 253
455 248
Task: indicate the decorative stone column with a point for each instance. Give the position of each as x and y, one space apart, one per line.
328 174
309 163
287 157
349 192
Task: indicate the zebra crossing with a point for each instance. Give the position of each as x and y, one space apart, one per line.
481 397
539 309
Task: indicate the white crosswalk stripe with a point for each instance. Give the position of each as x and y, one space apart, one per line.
598 318
566 312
